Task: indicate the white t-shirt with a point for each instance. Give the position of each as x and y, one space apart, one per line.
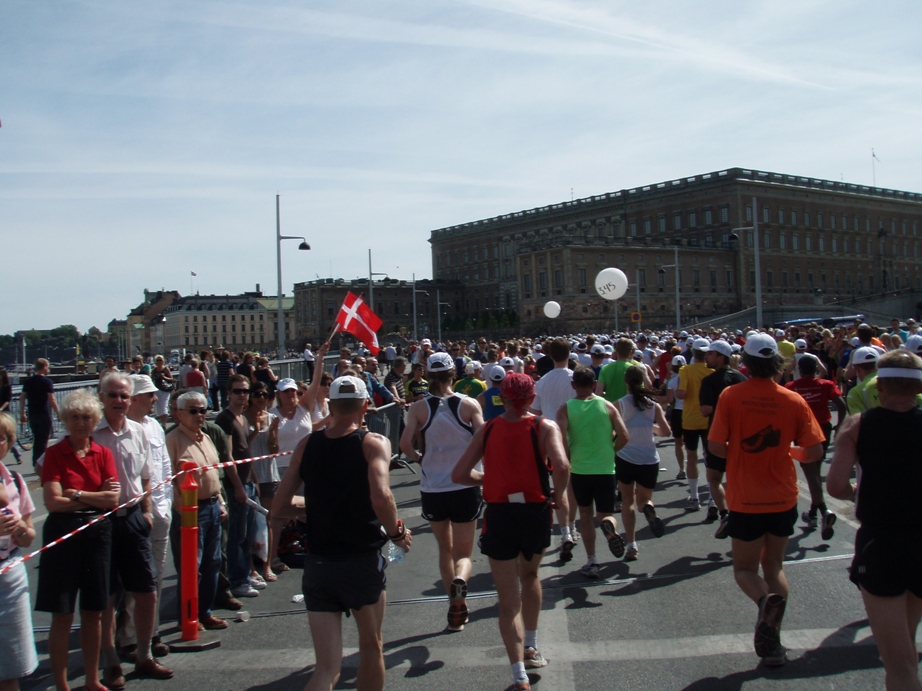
552 391
308 355
291 432
672 386
161 468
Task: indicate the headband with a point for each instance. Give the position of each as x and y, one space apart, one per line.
899 373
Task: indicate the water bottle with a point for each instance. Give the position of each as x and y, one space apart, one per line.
6 541
395 554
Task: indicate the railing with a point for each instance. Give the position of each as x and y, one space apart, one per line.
388 421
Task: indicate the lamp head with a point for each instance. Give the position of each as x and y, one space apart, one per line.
304 246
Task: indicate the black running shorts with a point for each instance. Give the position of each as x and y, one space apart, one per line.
751 526
887 563
457 506
513 529
597 489
713 462
343 583
675 422
628 473
691 437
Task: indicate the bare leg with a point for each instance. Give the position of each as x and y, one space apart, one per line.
893 622
370 620
267 504
58 648
587 528
718 493
814 482
531 590
680 454
456 543
692 466
327 636
767 551
90 636
506 578
144 609
628 517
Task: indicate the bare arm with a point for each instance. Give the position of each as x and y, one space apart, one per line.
844 459
842 410
310 398
53 402
60 500
680 393
550 444
471 413
378 455
661 426
622 437
408 438
22 406
563 422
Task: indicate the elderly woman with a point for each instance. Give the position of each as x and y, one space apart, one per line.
17 645
79 483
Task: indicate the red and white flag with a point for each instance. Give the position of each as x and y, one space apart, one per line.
356 317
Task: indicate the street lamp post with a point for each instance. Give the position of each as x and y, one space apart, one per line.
371 283
415 332
755 256
278 253
678 305
637 281
438 307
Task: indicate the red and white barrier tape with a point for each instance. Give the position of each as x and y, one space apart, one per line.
19 560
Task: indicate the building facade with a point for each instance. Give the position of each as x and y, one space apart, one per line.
820 241
316 304
239 322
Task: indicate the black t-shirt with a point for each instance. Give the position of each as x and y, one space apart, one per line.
240 446
37 387
246 370
714 383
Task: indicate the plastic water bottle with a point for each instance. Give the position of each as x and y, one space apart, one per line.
395 554
6 541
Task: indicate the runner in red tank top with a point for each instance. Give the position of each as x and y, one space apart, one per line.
518 450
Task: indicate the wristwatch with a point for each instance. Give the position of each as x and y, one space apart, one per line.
77 495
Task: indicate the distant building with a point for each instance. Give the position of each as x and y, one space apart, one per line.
318 302
820 241
240 322
144 325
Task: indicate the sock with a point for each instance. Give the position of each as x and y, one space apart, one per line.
564 533
143 650
711 502
573 531
724 513
632 544
518 672
531 639
593 559
109 657
693 488
822 508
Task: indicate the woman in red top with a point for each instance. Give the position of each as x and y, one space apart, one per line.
516 448
79 483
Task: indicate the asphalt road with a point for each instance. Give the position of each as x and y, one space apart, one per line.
674 619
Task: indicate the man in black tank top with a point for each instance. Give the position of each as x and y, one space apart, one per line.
350 514
887 567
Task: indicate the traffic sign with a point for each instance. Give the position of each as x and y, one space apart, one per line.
636 317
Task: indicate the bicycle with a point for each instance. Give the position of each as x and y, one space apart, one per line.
24 438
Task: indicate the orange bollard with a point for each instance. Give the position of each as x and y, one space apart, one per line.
188 579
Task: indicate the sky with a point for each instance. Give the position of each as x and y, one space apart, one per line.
144 141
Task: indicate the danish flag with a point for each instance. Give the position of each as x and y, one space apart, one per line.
356 317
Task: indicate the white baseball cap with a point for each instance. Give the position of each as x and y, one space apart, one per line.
800 344
914 344
761 345
507 362
496 374
347 387
864 356
700 344
440 362
721 347
679 360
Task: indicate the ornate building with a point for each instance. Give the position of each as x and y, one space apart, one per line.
820 240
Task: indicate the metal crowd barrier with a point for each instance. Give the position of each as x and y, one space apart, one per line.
386 421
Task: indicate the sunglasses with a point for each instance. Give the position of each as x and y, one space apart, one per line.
259 394
240 392
196 411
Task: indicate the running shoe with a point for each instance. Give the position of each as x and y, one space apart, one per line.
721 532
615 541
534 659
692 504
457 609
617 506
522 686
681 475
810 522
713 512
574 535
777 658
829 520
767 637
245 590
566 549
656 523
590 571
257 582
630 553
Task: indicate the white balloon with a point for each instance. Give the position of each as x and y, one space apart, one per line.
551 309
611 283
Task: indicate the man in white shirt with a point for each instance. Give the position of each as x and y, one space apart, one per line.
309 361
132 556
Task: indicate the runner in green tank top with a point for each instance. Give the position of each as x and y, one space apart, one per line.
593 430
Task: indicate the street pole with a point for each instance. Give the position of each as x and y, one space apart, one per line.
415 335
637 281
371 283
278 255
678 304
755 232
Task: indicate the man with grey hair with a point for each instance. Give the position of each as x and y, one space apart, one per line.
187 443
132 557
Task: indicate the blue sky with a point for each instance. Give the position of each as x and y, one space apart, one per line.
141 141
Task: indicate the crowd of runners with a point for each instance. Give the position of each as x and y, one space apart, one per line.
513 436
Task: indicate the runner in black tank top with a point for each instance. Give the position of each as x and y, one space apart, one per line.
350 513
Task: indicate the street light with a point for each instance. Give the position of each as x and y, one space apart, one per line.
758 268
371 284
438 307
678 305
415 332
278 253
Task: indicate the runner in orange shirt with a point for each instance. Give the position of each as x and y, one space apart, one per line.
755 425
